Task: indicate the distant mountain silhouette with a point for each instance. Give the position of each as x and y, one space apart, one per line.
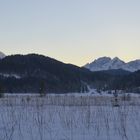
26 73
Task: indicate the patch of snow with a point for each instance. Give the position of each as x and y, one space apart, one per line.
6 75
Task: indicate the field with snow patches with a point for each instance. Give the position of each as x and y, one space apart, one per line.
69 117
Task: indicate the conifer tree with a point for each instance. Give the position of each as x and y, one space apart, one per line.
1 92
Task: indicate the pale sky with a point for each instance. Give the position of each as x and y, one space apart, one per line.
72 31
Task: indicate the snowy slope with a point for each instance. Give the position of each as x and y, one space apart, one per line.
132 66
2 55
106 63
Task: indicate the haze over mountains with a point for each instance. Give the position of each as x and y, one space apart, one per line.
106 63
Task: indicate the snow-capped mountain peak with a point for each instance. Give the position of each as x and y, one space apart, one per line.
116 59
106 63
2 55
97 64
102 60
116 63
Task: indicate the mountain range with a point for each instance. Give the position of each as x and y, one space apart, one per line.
28 73
106 63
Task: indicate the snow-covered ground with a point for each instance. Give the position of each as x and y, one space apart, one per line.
69 117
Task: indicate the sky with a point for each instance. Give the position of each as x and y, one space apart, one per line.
72 31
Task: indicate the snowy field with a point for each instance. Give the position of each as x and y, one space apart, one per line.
69 117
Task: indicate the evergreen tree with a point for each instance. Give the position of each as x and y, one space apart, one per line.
42 90
1 92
